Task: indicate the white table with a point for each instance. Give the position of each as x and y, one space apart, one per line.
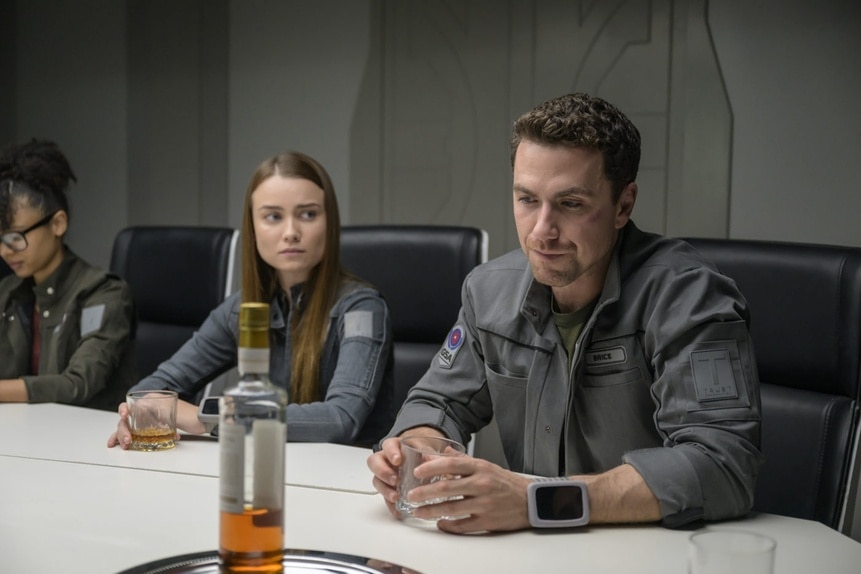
89 517
65 433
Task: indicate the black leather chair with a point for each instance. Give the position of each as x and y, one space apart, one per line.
177 276
805 304
419 270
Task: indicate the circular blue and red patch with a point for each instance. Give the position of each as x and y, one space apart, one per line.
455 338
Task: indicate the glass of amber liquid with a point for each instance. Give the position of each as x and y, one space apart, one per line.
152 419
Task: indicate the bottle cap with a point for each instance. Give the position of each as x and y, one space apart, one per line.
254 325
254 316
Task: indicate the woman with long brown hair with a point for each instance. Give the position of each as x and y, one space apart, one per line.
330 333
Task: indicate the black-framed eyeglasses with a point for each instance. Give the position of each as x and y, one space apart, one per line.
17 240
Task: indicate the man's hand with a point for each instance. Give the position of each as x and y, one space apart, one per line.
384 464
493 499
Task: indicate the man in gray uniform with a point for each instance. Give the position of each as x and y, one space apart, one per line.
615 357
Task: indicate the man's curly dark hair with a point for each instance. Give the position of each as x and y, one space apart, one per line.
580 120
37 173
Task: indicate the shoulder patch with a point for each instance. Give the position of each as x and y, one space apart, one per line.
713 378
91 319
359 324
453 344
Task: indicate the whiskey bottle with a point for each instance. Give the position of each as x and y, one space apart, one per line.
252 433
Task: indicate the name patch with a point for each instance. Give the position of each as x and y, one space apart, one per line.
606 356
453 345
713 376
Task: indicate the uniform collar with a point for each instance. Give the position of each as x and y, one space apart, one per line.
280 308
535 305
613 281
50 289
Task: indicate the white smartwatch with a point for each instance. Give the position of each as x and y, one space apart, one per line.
557 503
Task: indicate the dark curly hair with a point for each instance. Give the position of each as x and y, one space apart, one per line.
581 120
37 173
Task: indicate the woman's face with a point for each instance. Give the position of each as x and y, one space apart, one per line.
44 250
290 226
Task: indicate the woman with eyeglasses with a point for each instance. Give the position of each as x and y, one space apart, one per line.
65 326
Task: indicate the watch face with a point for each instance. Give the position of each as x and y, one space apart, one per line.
559 502
210 406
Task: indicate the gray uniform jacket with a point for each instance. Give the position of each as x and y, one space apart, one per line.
663 377
85 331
355 369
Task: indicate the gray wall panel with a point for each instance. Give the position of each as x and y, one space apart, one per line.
72 87
793 76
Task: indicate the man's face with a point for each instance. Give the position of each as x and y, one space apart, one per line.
566 220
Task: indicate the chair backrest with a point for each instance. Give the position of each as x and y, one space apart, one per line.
805 305
177 276
419 269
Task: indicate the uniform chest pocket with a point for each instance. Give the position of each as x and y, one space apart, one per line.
614 362
628 376
508 395
499 376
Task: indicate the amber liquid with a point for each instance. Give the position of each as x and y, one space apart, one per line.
252 541
153 438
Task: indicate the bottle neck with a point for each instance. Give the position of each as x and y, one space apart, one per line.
252 360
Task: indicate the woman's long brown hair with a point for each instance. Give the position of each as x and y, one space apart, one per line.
260 281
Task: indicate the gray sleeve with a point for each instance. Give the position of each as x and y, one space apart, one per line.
210 352
452 396
364 337
706 389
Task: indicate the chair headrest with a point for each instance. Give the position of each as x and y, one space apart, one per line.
418 269
805 306
177 274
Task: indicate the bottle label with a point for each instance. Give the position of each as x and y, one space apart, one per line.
270 438
231 439
251 360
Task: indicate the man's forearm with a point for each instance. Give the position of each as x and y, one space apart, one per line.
620 495
422 431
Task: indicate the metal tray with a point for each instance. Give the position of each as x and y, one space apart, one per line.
295 562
